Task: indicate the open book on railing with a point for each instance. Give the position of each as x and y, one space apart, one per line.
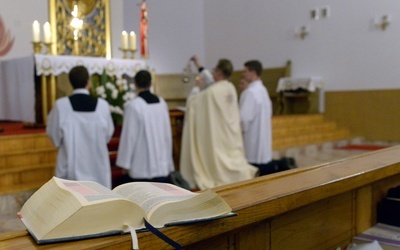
63 210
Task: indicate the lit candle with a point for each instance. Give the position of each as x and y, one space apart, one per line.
47 32
36 31
132 40
124 40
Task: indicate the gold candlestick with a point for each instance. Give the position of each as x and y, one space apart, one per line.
132 53
37 47
48 48
75 50
124 53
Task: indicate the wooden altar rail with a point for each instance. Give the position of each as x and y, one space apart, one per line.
320 207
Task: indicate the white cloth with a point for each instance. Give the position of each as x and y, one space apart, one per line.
81 139
56 65
255 116
17 95
309 83
212 146
207 80
145 146
195 90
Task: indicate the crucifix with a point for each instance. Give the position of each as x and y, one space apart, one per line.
144 48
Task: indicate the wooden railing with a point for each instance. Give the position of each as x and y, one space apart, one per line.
320 207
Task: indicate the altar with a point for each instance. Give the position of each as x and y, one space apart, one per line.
51 69
18 80
295 94
17 95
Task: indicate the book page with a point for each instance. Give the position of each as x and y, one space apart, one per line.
151 195
88 191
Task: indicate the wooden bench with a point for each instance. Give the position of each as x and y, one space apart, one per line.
319 207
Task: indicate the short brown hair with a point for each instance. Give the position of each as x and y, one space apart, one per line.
254 65
78 77
143 79
225 66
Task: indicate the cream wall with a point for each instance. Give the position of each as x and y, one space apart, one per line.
345 49
17 16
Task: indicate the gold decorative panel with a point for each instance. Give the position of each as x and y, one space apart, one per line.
92 38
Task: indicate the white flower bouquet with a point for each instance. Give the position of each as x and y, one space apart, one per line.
116 91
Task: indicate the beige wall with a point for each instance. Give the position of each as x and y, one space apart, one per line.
374 114
172 88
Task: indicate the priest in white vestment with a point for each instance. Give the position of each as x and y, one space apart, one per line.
212 146
145 147
80 126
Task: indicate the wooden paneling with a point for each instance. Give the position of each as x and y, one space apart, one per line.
256 236
299 130
313 221
176 118
26 162
373 114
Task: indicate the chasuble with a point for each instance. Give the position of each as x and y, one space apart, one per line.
212 146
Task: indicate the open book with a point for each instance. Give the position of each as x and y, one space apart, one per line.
63 210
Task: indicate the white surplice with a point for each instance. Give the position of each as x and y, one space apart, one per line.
145 146
212 151
207 80
255 116
81 139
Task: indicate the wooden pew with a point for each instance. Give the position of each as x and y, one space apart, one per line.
320 207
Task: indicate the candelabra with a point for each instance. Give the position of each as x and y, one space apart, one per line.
75 50
48 48
124 52
132 53
37 47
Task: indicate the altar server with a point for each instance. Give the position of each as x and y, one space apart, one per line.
256 122
212 146
145 147
80 126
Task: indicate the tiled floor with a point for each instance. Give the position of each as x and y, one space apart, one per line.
305 156
9 206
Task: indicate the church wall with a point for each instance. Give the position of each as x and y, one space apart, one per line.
18 16
176 32
345 49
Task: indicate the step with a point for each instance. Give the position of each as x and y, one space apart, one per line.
21 143
34 176
299 120
301 130
26 158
